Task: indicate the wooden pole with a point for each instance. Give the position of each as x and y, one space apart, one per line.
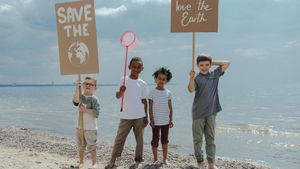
81 128
193 53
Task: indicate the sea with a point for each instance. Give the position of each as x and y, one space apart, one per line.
261 124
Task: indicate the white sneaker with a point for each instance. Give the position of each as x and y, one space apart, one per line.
201 165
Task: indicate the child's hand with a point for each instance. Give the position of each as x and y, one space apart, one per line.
78 83
145 122
152 124
171 124
192 74
122 90
82 109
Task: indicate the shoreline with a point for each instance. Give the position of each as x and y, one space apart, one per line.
32 148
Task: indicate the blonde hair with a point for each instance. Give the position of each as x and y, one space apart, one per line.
92 78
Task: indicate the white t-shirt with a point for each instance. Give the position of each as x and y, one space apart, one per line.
160 106
136 90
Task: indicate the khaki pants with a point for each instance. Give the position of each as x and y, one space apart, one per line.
204 126
90 140
123 131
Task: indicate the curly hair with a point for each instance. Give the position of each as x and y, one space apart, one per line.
163 71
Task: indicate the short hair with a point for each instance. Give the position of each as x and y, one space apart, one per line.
92 78
203 58
163 71
134 59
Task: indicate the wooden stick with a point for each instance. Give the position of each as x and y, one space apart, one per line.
193 53
81 128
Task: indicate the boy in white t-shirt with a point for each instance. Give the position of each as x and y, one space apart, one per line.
90 108
161 112
134 114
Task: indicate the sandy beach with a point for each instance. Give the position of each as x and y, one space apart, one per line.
24 148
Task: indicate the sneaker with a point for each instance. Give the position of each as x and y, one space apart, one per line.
201 165
212 166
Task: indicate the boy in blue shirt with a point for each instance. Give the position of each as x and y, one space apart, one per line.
205 107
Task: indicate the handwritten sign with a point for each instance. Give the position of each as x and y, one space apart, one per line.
194 16
77 38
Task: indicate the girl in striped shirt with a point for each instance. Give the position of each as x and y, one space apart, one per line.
161 112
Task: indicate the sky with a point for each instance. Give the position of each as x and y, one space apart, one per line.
261 39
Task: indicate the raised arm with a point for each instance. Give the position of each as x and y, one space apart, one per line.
76 93
223 63
191 85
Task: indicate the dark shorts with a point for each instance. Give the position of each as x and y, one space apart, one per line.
164 135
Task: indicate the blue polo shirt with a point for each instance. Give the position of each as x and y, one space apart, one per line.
206 100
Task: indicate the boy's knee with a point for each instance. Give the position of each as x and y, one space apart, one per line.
81 149
91 148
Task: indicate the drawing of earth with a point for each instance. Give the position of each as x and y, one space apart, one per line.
78 54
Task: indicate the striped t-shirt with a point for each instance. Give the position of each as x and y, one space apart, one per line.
160 106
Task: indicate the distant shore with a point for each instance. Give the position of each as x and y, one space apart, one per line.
30 148
59 84
48 85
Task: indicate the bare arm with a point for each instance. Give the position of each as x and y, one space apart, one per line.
171 113
151 113
223 63
144 101
191 85
76 96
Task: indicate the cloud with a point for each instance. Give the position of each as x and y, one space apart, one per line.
26 2
251 53
292 44
110 11
5 8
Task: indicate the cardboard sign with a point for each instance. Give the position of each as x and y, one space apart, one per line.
194 15
77 38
